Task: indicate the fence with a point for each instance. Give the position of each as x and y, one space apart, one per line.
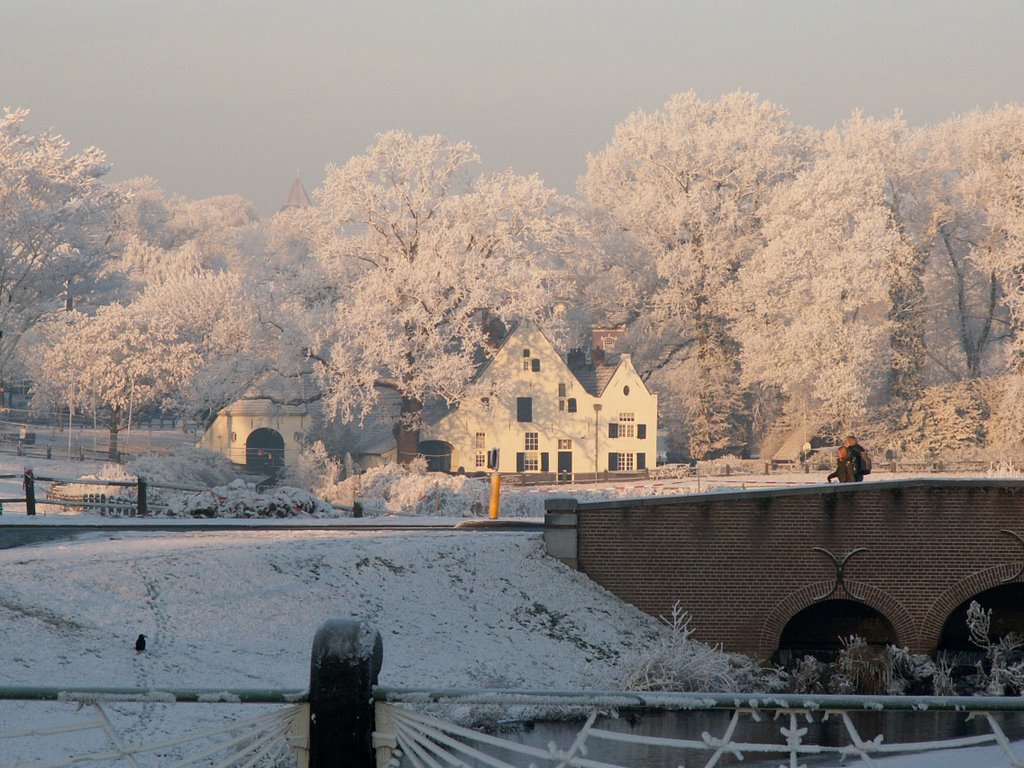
328 725
133 503
786 725
346 719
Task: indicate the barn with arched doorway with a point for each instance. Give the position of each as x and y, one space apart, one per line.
258 434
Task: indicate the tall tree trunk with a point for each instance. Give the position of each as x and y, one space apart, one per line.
906 342
112 442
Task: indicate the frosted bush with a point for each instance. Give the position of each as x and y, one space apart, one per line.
320 472
680 663
1001 672
184 465
239 499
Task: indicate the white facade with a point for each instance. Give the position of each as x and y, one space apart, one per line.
540 417
258 434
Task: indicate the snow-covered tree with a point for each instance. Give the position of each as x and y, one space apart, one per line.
183 344
417 254
814 303
214 315
113 364
986 229
689 183
162 236
54 213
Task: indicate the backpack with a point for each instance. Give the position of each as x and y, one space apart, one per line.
865 462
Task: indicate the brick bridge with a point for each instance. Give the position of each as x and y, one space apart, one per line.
786 571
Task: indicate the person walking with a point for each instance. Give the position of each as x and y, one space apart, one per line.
844 471
858 457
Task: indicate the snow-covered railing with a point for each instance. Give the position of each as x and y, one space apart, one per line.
62 492
409 734
89 732
329 725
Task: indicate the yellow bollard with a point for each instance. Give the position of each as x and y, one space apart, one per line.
492 510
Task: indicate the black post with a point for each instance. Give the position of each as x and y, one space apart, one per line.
346 660
142 508
30 492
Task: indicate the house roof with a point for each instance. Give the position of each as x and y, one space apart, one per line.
297 197
594 377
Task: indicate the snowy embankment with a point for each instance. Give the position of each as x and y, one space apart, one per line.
240 610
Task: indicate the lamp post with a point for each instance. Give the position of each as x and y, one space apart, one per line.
597 437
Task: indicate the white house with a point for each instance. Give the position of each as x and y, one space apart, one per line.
546 414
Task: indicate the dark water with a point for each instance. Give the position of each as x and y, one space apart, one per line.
895 727
20 536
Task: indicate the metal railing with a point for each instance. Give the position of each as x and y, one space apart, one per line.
88 731
759 726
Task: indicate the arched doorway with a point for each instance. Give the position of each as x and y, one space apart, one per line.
1006 602
438 455
264 449
820 629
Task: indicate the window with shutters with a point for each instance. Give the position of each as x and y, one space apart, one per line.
531 461
625 462
524 409
627 425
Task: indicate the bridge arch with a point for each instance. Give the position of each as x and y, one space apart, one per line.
960 595
888 608
962 591
1006 606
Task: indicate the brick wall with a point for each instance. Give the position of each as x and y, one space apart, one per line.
744 563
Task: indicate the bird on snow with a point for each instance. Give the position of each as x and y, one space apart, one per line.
140 643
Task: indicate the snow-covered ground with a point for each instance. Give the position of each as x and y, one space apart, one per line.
240 609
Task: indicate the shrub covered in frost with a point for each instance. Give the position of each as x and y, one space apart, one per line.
680 663
241 500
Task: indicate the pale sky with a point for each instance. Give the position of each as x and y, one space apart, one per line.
236 96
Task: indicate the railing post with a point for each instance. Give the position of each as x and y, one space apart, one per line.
30 492
141 507
346 660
